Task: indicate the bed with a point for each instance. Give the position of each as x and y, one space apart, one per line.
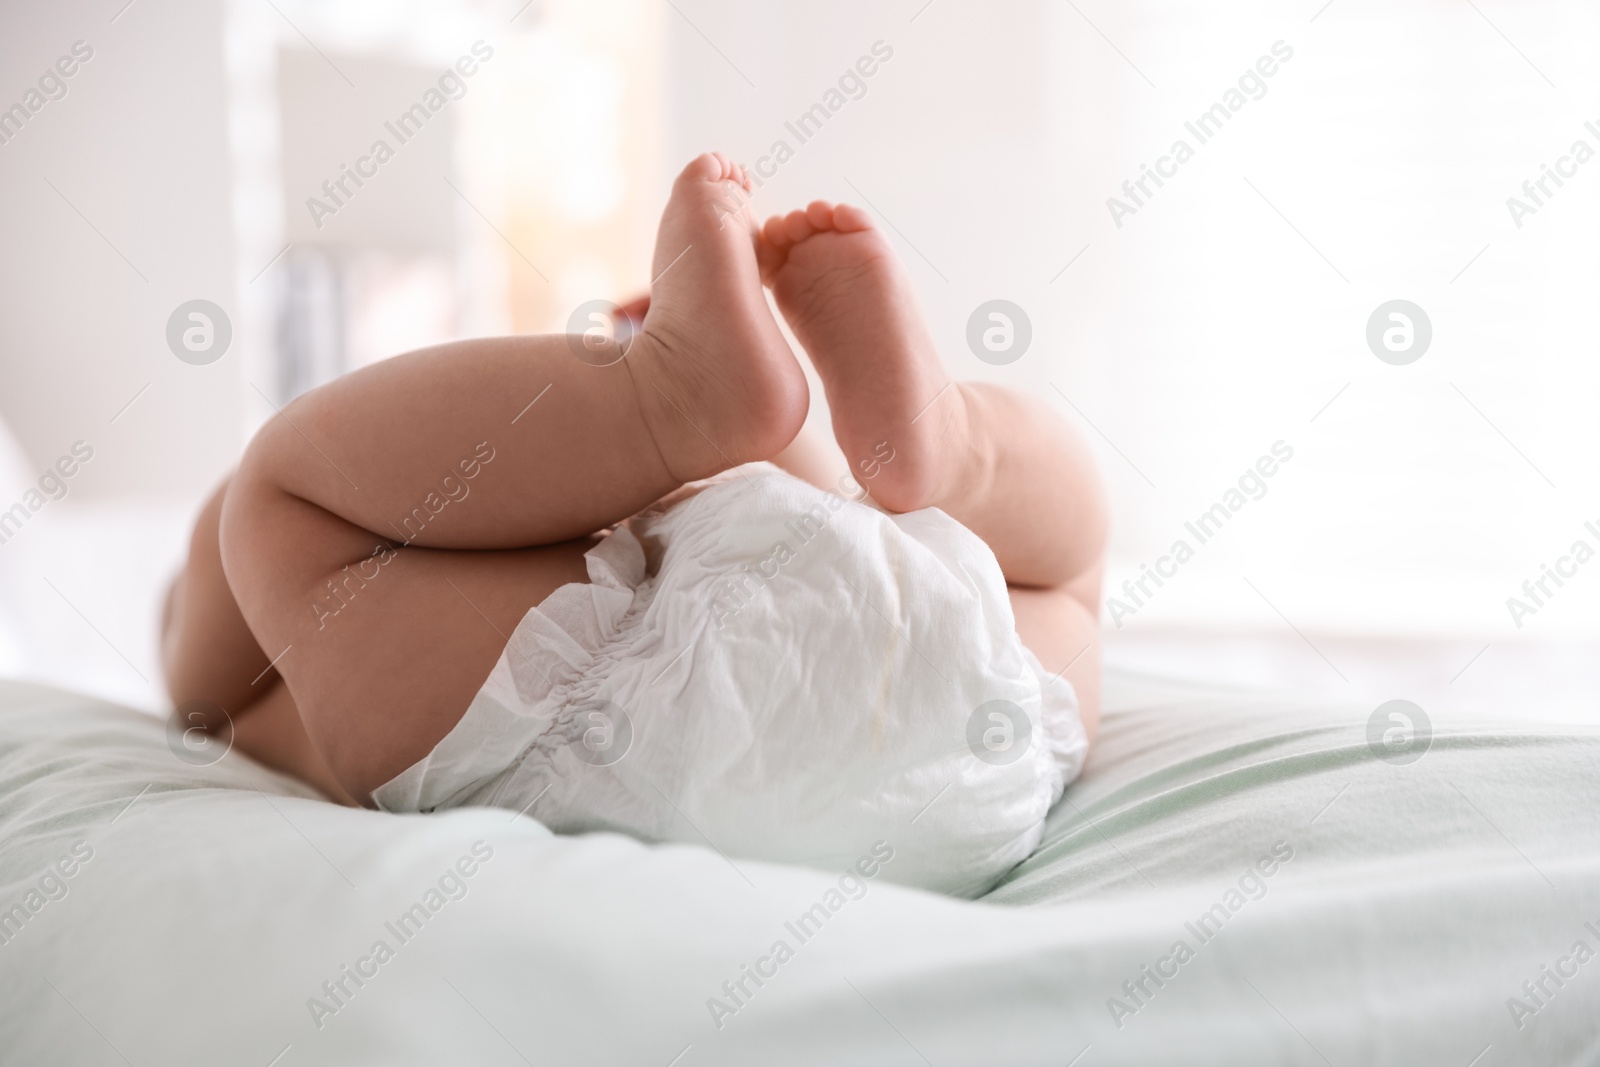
1337 904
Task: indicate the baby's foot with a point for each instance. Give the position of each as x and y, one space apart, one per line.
849 302
717 383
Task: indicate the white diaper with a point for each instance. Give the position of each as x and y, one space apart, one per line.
783 674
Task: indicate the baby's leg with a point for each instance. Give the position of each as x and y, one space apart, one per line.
1002 463
209 655
1027 485
388 531
207 651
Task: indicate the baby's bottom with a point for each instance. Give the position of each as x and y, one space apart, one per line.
385 533
798 677
211 655
448 611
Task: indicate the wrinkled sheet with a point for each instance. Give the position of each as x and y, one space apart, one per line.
1408 910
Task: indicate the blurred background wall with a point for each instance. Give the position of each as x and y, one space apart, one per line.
1187 332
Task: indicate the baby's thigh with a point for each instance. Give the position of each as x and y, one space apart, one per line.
389 675
1056 627
382 647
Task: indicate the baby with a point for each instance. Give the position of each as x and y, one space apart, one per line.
612 586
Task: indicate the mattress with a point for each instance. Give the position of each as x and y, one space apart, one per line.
1238 877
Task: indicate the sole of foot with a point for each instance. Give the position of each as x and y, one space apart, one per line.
846 296
717 383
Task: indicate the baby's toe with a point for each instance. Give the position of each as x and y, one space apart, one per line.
775 233
798 226
705 167
847 218
820 214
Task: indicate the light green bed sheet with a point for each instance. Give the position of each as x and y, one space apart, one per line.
1332 908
